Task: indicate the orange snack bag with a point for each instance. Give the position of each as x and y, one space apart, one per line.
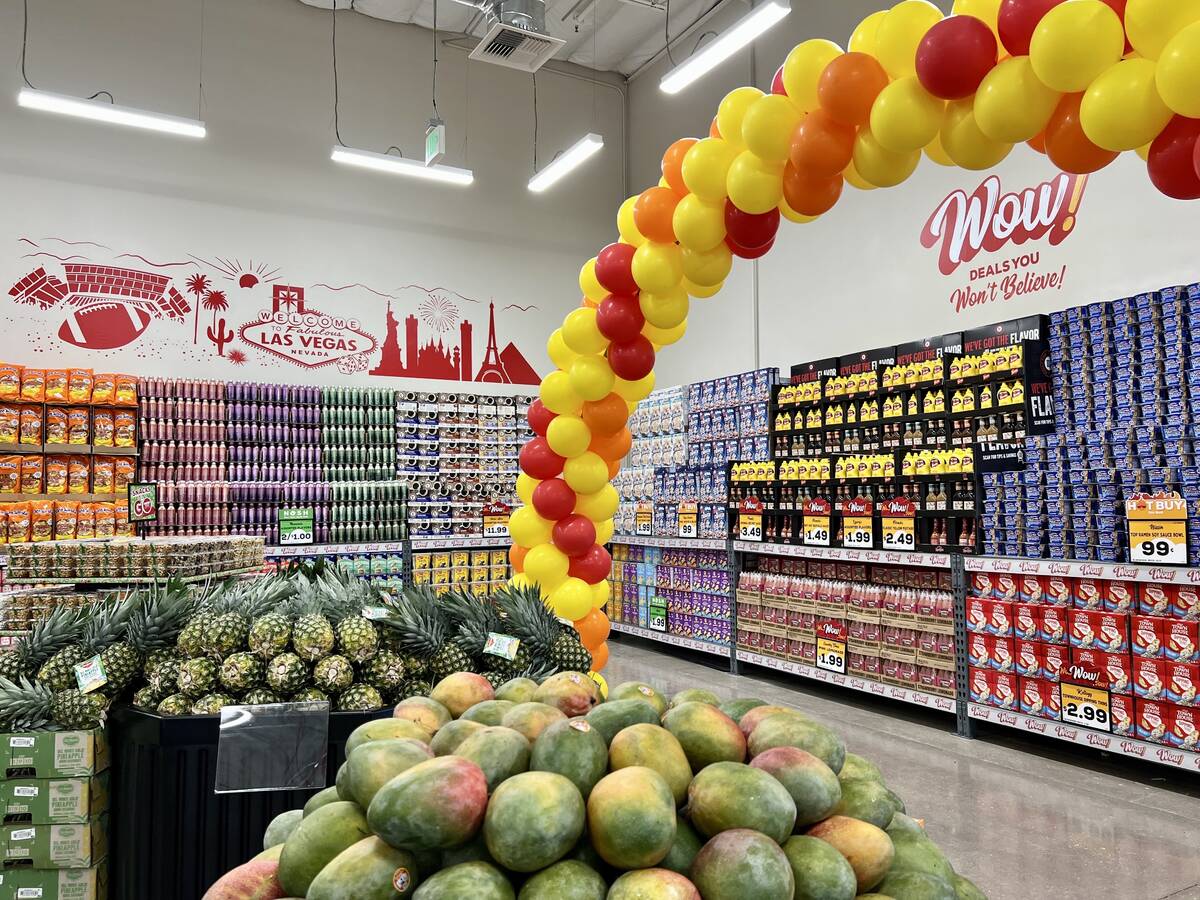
10 474
57 468
77 425
102 428
32 475
79 472
103 473
3 523
33 385
41 520
66 519
85 525
10 382
56 385
124 428
104 388
123 472
79 386
56 425
10 424
18 523
124 528
126 390
31 424
106 520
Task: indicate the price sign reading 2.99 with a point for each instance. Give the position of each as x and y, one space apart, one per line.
1157 529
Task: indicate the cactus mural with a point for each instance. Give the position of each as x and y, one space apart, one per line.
218 334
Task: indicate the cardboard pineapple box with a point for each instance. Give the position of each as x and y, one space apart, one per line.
53 754
55 884
55 846
53 801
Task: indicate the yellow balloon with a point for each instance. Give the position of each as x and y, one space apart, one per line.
1074 42
665 310
1144 152
792 216
880 166
698 224
558 351
559 396
802 70
591 377
634 390
755 185
592 289
732 111
604 531
626 227
527 528
855 180
1151 24
598 506
899 33
657 267
905 116
568 436
586 473
571 599
1122 109
547 565
600 595
987 11
964 143
525 485
701 291
936 152
1012 106
707 269
768 125
521 581
705 167
1178 76
863 38
664 337
580 333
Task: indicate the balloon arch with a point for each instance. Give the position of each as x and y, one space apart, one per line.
1078 80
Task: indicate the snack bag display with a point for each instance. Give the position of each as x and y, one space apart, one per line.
124 428
104 388
3 523
10 382
41 520
19 528
57 381
125 393
66 518
85 525
10 424
103 474
77 425
123 473
10 474
31 424
103 427
33 385
32 475
56 425
106 520
123 527
79 386
79 472
57 470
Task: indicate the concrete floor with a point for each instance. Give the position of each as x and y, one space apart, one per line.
1024 819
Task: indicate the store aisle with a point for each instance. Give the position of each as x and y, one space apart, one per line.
1022 825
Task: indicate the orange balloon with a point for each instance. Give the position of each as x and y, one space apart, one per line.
516 556
1067 145
606 416
652 214
593 629
848 87
612 447
1038 142
600 657
713 130
808 194
589 303
614 466
821 145
672 165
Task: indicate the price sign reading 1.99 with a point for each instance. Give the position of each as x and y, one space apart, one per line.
831 644
858 531
1157 529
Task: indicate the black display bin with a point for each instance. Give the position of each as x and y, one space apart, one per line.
170 835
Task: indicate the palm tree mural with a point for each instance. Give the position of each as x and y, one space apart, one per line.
215 302
197 285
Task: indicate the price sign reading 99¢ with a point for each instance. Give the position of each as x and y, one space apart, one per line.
1157 529
143 502
687 520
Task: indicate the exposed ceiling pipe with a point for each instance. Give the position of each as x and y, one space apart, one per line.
683 35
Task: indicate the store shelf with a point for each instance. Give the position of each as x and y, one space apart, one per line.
674 543
1082 568
82 498
458 543
186 579
840 554
854 682
1099 740
335 549
673 640
67 449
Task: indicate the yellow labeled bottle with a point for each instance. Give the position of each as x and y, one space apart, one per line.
907 465
935 462
968 459
953 460
889 466
970 366
921 464
1016 355
984 366
1018 393
985 397
1004 394
956 368
913 408
968 401
851 414
823 469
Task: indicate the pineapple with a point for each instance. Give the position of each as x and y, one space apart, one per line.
333 674
357 638
165 679
310 695
260 696
154 628
527 617
475 619
158 658
241 672
228 627
197 677
146 697
312 635
270 635
415 688
286 673
569 654
421 630
385 672
496 678
189 641
175 705
210 704
359 698
26 705
58 630
104 635
75 711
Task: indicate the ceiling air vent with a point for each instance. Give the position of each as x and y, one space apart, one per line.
516 36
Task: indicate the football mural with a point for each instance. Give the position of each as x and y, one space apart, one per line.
82 297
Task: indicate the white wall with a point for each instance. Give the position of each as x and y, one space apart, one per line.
261 185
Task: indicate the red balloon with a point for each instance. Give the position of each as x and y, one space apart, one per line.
539 461
777 83
1172 159
593 565
553 499
1016 21
954 56
619 317
614 269
1196 159
574 535
632 359
749 252
539 417
750 230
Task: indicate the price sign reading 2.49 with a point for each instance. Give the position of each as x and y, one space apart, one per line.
1157 529
817 513
898 524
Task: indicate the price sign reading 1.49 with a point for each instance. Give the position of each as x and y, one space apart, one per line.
857 528
817 514
898 524
750 519
1157 529
831 644
687 520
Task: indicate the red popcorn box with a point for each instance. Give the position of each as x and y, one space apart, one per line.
1028 658
1005 691
1040 698
1052 624
1058 592
1121 709
1113 671
1152 718
1149 678
1180 640
1155 599
1120 596
1088 593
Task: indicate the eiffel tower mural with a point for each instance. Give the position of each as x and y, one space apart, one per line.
492 370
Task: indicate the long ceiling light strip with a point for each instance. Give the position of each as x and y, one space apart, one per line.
99 111
398 165
572 158
749 27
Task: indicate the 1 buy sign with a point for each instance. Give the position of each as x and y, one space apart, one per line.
898 524
1157 529
817 513
858 530
143 502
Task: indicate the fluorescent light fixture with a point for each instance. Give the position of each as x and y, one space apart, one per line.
99 111
398 165
749 27
584 148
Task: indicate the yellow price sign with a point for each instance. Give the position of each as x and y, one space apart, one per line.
857 531
687 520
816 531
1158 541
1086 706
643 520
750 526
899 533
831 655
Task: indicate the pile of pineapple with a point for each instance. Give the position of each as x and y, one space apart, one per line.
298 635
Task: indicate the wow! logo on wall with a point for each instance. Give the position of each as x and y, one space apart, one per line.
308 337
991 221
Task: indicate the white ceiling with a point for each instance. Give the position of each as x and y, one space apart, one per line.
606 35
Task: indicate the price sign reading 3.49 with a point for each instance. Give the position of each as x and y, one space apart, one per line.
750 519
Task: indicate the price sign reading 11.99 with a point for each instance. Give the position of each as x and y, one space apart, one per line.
1157 529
